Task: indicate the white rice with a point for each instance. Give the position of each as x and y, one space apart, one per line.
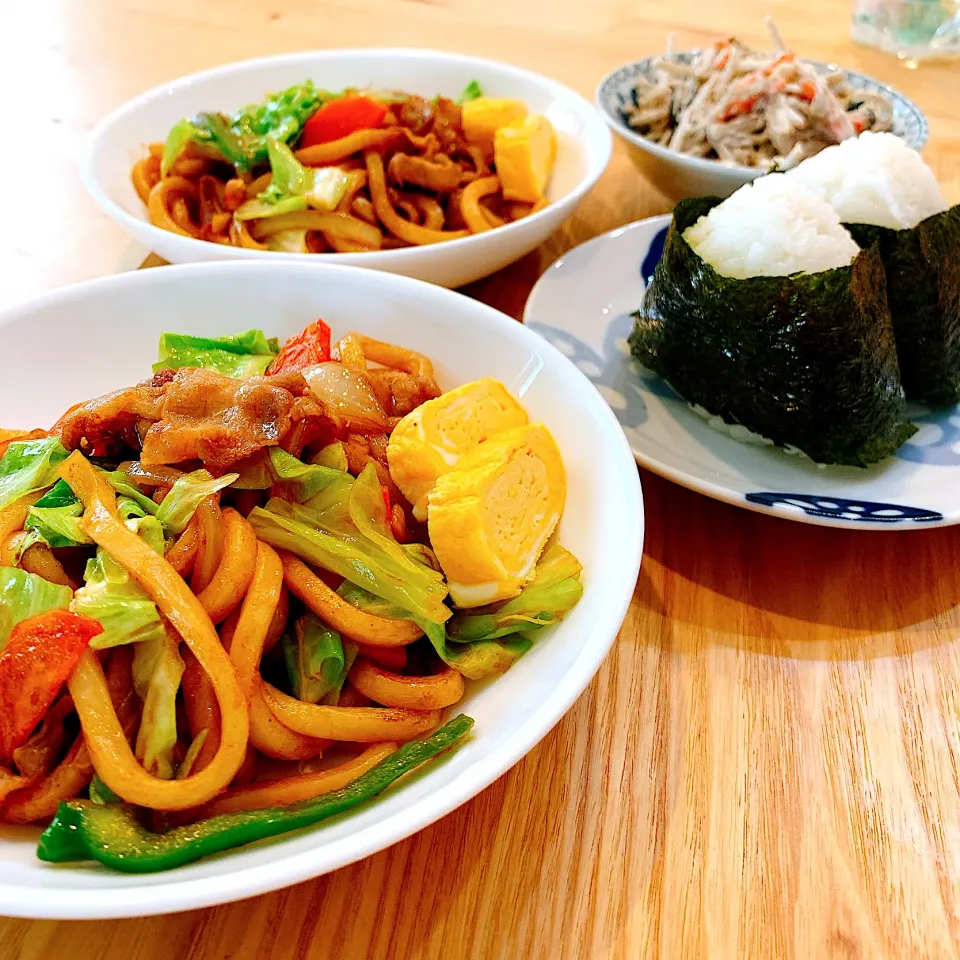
772 227
744 435
736 430
874 178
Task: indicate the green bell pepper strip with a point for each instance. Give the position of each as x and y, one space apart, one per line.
110 833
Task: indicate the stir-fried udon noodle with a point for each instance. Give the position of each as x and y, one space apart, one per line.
216 598
751 109
313 172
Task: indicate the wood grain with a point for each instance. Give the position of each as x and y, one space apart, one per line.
767 765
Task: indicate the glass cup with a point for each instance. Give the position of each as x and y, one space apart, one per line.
914 30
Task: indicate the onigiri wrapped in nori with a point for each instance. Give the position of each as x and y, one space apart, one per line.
764 312
886 195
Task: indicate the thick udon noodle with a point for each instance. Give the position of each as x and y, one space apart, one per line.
199 196
225 599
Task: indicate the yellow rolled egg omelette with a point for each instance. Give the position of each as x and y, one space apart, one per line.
490 519
490 485
431 440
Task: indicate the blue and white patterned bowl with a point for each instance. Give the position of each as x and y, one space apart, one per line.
678 176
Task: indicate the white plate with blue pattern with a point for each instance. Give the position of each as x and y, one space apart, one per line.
583 306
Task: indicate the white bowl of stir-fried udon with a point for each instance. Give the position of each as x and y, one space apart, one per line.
432 165
239 596
705 122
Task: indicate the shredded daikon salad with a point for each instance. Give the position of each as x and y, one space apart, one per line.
745 108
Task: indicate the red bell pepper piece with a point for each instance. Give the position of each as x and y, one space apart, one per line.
308 347
337 119
39 657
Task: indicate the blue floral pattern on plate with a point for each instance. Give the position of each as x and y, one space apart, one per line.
839 508
937 443
614 368
653 256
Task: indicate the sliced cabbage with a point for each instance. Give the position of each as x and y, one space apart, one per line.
55 518
333 455
294 187
59 495
242 138
254 472
485 658
128 509
157 670
322 187
28 466
121 483
181 502
246 354
350 653
112 597
193 751
546 600
288 241
303 480
115 600
488 658
56 526
149 529
327 186
344 530
316 658
257 209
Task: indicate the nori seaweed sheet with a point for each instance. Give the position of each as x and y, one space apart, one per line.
808 360
923 287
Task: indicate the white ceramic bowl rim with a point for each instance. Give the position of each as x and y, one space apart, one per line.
92 183
616 122
620 575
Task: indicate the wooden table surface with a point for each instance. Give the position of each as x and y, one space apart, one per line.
768 763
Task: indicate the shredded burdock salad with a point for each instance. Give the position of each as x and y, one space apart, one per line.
745 108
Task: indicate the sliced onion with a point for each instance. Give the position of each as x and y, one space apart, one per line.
348 396
150 476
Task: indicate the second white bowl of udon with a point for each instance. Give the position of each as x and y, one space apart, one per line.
584 147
